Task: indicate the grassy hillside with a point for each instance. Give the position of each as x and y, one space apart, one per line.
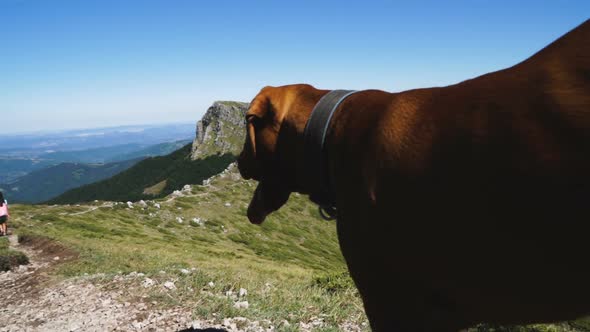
171 172
291 265
207 229
47 183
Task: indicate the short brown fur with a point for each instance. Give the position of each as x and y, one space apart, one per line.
456 205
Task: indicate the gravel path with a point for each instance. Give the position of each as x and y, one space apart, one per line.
33 301
94 208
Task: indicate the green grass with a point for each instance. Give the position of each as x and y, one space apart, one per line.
335 281
276 262
10 258
291 265
156 189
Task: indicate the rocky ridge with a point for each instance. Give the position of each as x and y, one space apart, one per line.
221 130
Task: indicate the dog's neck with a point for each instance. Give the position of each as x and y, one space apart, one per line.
311 160
291 138
315 161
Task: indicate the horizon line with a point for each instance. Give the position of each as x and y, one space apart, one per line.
74 129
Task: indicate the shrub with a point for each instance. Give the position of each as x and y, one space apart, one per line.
334 282
10 258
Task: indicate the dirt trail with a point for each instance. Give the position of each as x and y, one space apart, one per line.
94 208
34 301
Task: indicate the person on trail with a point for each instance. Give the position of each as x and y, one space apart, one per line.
4 215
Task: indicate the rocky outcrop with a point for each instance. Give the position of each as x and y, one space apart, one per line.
221 130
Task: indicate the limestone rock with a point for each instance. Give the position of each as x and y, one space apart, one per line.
243 292
241 305
169 285
147 282
221 130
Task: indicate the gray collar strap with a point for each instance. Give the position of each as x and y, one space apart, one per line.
316 172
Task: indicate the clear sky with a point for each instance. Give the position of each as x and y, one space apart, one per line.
83 64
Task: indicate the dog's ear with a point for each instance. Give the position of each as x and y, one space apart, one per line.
259 109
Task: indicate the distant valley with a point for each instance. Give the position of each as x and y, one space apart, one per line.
37 167
44 184
116 153
43 145
13 168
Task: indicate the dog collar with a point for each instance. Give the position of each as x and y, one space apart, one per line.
315 165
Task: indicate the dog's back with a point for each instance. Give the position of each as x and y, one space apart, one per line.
479 192
456 205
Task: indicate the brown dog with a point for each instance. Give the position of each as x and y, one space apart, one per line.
456 205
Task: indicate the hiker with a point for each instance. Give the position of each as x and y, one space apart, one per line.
4 215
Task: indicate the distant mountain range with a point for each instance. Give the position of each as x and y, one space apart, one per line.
38 167
220 136
21 154
92 155
36 180
116 152
44 184
151 151
13 168
39 145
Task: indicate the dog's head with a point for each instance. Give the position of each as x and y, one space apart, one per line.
271 155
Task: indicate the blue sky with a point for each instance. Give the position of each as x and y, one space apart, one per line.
83 64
